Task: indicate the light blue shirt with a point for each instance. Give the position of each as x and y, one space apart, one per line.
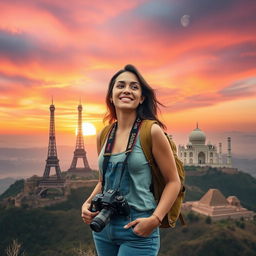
136 179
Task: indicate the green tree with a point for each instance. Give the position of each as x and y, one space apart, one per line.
192 217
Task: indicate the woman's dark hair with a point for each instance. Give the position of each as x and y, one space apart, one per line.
147 110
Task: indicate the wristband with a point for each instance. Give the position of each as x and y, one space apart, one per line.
157 218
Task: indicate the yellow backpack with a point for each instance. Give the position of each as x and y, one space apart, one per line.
157 178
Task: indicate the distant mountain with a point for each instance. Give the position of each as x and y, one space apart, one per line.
25 162
5 183
247 165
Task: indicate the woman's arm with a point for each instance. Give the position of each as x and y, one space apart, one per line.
164 158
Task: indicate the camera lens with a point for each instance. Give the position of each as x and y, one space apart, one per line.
101 220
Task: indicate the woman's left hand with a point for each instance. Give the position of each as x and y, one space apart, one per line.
143 226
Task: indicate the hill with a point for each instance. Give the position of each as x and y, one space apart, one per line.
201 237
240 184
5 183
58 229
51 231
55 230
13 189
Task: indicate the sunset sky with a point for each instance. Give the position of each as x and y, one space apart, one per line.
199 56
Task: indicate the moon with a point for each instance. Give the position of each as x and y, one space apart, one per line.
185 20
88 129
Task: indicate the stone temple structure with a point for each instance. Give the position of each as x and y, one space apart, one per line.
198 153
215 205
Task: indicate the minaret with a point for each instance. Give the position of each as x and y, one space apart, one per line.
51 161
220 153
79 150
229 163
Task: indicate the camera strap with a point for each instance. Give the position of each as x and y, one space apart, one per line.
110 143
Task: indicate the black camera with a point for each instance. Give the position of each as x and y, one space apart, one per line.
109 203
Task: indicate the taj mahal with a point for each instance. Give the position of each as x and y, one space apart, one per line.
198 153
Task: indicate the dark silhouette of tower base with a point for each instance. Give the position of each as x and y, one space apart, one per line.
79 151
56 182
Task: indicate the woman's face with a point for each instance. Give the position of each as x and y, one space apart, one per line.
127 92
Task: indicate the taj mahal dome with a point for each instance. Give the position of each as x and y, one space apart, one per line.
198 153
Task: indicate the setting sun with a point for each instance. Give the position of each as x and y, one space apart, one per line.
88 129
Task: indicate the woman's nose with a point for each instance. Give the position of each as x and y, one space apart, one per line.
126 90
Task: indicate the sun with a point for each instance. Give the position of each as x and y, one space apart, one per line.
88 129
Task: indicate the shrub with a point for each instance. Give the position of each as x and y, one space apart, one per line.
208 220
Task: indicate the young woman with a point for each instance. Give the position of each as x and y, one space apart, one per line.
129 96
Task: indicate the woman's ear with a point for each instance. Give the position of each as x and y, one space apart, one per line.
142 99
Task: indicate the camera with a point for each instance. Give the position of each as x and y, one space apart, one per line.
110 203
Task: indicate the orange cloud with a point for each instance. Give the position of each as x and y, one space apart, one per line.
52 48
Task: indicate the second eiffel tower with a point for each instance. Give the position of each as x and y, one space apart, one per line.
79 151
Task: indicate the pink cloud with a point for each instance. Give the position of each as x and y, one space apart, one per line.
55 48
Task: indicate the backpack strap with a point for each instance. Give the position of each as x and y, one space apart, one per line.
103 137
104 134
146 140
146 145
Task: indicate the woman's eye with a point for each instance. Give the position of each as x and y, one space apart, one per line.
134 87
120 86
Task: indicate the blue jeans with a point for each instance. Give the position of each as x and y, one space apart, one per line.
115 240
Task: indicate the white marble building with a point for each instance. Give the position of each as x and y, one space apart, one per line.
198 153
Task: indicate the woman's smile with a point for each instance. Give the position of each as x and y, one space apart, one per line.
126 99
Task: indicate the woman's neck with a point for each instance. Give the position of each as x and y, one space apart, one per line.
125 120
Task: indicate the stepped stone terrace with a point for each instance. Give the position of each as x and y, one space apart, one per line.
215 205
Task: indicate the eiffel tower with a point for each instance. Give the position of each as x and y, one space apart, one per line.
79 150
55 182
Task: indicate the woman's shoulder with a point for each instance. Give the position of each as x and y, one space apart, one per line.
151 129
156 130
154 126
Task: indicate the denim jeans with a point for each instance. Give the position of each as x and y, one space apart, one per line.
115 240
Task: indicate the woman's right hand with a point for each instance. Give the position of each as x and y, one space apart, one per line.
87 215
